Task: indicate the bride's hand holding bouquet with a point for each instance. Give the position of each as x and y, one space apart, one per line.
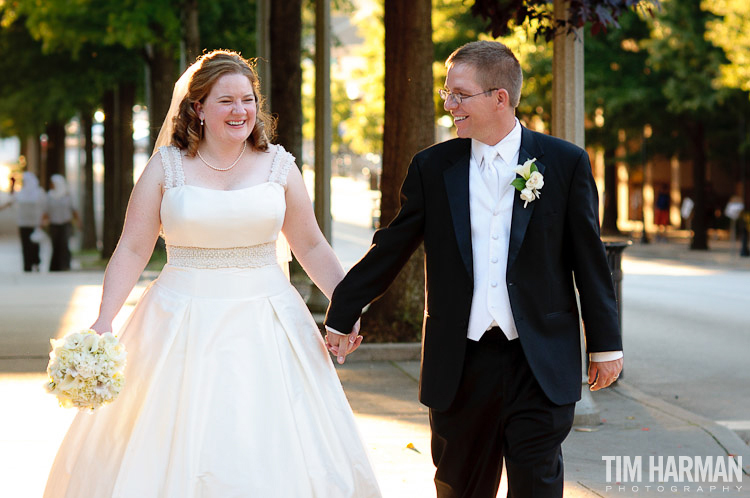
86 368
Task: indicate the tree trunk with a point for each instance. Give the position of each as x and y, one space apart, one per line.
110 232
609 218
286 74
409 127
32 151
55 163
190 30
88 218
118 162
127 148
699 224
163 67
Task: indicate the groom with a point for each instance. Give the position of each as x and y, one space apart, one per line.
501 361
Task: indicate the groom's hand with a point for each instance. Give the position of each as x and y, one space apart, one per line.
603 373
341 345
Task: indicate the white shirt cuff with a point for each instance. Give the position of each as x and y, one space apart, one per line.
334 331
605 356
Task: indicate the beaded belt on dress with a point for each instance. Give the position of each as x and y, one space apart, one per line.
230 257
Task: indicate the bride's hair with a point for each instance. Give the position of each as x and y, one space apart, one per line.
212 66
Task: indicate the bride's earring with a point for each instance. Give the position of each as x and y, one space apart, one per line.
201 122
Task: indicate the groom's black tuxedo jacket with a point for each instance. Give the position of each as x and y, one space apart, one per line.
551 239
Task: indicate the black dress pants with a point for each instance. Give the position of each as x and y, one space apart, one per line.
500 411
30 249
60 235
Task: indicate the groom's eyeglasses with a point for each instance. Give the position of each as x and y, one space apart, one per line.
457 97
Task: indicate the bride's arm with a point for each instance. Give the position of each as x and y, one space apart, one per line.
307 242
139 234
314 254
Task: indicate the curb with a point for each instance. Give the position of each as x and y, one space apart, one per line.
727 439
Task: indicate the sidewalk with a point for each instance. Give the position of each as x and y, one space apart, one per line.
721 253
380 382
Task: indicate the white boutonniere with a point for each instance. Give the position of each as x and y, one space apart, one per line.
530 182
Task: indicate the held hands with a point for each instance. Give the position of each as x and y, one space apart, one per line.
603 373
342 345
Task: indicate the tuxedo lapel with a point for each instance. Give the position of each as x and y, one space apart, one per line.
456 179
522 215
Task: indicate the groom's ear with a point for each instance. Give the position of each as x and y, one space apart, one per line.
503 99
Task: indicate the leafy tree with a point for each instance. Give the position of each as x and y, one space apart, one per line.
43 89
690 66
408 127
621 94
731 32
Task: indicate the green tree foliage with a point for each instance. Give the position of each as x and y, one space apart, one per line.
619 83
228 24
40 86
730 30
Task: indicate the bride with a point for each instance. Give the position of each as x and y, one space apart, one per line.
229 388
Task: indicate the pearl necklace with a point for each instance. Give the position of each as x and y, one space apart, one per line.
244 146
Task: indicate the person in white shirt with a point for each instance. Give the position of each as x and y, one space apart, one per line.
501 359
30 204
60 214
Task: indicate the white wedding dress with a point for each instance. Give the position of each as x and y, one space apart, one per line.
230 392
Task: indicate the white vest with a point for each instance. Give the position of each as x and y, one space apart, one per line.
490 237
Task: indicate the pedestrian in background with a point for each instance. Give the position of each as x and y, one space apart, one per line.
60 213
661 212
30 204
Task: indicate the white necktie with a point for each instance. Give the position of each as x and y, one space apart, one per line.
489 172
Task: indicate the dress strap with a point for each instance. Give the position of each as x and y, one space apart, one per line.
282 163
171 160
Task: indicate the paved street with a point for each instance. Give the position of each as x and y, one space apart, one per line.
687 336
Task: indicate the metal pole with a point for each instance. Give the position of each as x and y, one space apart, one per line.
568 124
644 158
323 116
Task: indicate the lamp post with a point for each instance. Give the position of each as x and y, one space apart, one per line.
644 158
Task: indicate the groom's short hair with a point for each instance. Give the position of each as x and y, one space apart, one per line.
495 64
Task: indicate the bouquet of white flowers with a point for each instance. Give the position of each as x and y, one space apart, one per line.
86 369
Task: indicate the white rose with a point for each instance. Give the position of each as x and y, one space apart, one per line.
535 181
527 196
